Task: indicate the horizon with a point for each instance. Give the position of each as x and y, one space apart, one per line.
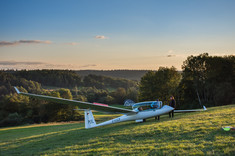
113 35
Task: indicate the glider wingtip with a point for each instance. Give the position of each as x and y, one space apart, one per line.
204 107
18 92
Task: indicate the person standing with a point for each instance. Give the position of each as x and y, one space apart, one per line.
156 105
172 104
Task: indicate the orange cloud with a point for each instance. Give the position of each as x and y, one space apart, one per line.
41 65
72 43
101 37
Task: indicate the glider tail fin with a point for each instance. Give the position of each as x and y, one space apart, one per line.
204 108
89 119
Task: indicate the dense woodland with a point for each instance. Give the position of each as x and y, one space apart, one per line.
212 78
205 79
126 74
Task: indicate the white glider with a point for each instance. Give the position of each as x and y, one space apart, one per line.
140 112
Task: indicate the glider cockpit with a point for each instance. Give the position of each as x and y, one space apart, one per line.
149 105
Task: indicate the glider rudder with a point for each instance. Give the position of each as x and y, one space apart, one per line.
204 107
89 119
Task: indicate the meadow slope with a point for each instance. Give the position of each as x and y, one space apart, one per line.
188 134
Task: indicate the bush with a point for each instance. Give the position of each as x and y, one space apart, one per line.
12 119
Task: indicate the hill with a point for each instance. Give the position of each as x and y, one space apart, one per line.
187 134
126 74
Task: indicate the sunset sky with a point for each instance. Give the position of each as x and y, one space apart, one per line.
113 34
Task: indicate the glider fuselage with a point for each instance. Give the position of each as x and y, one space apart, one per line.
138 117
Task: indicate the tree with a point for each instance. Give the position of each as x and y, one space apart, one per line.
81 98
160 84
119 95
132 93
110 100
212 78
65 93
194 75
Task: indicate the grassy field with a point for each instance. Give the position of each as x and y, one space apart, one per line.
187 134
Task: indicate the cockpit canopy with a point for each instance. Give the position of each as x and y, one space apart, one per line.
147 105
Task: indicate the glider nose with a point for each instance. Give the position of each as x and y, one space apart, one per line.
170 107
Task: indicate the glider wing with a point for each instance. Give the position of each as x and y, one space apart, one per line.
192 110
80 104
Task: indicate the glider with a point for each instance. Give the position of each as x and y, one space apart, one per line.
141 111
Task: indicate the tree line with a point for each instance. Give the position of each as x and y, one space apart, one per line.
126 74
69 79
205 79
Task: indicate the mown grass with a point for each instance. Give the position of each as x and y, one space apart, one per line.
187 134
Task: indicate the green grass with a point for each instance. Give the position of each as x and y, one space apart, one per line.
187 134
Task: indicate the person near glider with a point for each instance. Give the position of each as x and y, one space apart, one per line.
172 104
155 105
140 108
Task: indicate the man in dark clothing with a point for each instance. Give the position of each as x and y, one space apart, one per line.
172 104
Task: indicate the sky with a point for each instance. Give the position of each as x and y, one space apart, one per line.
113 34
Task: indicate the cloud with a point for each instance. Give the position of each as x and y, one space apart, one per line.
171 56
40 65
34 41
72 43
170 53
88 65
6 43
13 43
14 63
101 37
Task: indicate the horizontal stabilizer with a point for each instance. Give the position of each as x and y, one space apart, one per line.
18 92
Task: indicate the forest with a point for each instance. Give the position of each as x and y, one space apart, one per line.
17 109
204 79
126 74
